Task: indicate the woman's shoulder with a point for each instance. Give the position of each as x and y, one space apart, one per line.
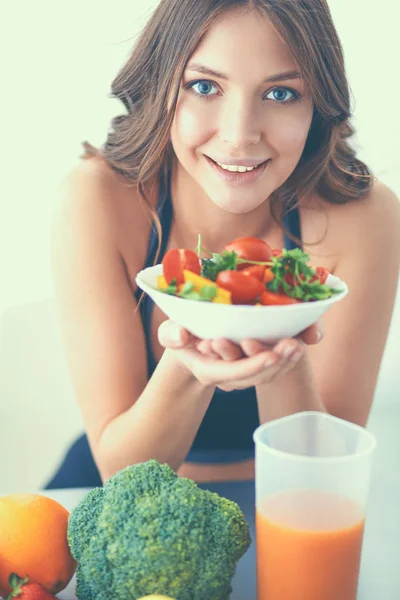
380 199
92 184
97 200
339 229
372 217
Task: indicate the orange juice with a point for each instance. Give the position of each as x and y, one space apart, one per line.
308 546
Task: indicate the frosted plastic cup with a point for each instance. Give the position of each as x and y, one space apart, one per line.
312 484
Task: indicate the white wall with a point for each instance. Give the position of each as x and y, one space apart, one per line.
58 60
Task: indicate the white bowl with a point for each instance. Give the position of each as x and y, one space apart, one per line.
235 322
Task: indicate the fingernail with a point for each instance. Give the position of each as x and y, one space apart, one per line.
319 336
176 335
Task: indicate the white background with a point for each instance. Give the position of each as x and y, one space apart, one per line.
57 63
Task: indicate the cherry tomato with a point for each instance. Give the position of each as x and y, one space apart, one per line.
276 251
269 298
256 271
322 274
249 248
245 289
176 260
289 278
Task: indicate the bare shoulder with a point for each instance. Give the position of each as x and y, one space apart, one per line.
93 188
372 222
378 208
97 201
359 227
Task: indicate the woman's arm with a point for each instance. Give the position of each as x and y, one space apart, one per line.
295 391
127 418
339 374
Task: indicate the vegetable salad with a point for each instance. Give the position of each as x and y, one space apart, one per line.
247 271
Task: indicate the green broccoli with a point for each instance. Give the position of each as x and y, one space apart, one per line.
148 531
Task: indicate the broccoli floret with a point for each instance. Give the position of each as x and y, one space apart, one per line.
148 531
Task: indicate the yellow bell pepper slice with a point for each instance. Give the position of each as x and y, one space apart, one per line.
222 299
197 280
161 282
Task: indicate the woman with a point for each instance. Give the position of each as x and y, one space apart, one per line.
210 86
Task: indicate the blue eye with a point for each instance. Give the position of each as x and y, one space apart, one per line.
204 87
282 95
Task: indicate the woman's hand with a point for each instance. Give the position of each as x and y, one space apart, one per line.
230 366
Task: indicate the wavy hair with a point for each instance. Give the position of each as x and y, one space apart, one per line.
148 85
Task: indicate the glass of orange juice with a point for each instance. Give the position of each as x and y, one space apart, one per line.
312 483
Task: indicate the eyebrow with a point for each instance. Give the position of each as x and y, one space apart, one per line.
277 77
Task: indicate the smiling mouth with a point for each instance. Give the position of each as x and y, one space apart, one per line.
239 168
235 175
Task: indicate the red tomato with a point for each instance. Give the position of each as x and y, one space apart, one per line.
268 298
289 278
256 271
322 274
245 289
250 248
276 252
176 260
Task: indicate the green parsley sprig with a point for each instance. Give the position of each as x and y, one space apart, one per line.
227 261
294 262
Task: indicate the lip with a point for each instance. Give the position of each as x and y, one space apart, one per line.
236 178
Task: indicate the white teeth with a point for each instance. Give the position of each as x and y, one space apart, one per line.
236 168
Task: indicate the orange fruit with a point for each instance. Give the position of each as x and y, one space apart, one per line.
33 541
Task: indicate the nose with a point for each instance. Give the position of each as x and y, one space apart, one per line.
238 124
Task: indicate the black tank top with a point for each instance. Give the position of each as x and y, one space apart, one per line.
226 432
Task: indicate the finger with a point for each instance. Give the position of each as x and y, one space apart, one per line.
281 367
205 349
172 335
204 346
217 371
267 375
226 349
313 334
252 347
287 347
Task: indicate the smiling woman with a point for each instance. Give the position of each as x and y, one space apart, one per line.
257 115
236 124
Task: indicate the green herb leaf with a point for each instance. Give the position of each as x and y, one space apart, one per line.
227 261
188 291
172 288
206 294
187 288
294 262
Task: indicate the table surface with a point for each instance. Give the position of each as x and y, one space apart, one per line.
380 572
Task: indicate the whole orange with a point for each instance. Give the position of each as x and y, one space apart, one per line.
33 541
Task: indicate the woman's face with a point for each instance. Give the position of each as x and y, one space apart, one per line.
242 104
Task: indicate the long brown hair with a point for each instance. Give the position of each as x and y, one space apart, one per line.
138 144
